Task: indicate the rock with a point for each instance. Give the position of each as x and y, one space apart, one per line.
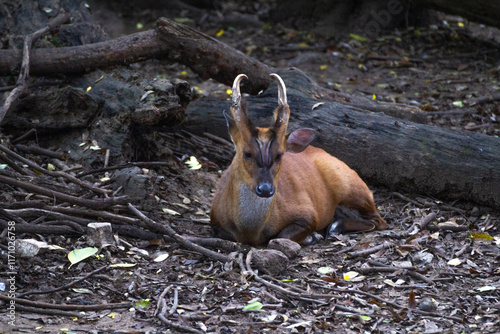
100 235
269 261
428 305
133 181
27 248
288 247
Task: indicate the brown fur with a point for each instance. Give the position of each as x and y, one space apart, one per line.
308 186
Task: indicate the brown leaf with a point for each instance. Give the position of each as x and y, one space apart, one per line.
412 304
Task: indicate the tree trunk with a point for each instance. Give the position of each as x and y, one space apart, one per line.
382 149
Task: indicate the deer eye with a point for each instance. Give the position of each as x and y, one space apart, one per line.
278 157
247 155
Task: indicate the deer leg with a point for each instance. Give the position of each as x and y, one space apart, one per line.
352 220
219 232
298 230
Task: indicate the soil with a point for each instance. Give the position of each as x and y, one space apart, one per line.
443 278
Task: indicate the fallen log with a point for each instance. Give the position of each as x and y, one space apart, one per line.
382 149
206 56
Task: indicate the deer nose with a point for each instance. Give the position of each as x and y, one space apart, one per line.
264 190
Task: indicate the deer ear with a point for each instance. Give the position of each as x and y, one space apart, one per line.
298 140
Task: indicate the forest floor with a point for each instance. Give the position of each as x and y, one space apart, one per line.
442 278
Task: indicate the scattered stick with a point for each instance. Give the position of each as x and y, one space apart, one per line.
100 203
174 325
176 301
407 199
122 166
38 310
419 276
105 215
40 151
486 99
228 246
166 229
42 229
425 221
162 296
40 169
68 307
218 139
371 250
447 227
12 164
393 269
35 212
66 286
278 288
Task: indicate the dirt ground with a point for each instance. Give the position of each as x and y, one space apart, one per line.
444 278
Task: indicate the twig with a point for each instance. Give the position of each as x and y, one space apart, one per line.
169 323
67 307
126 165
66 286
392 269
218 139
274 286
419 276
380 299
371 250
35 212
176 301
477 127
486 99
42 229
425 221
40 169
100 203
12 164
162 296
40 151
228 246
454 112
23 137
38 310
106 215
167 229
438 315
407 199
64 222
447 227
21 84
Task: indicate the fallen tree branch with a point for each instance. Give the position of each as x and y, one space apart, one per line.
206 56
166 229
41 229
100 203
21 84
210 58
